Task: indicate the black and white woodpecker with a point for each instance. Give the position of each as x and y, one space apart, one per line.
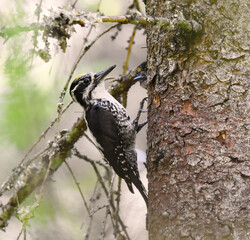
141 74
110 124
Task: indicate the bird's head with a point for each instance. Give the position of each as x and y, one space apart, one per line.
141 72
83 86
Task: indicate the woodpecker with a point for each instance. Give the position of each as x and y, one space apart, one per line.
141 74
110 125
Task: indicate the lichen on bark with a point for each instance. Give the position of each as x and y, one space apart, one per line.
198 142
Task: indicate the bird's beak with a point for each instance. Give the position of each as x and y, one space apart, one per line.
101 75
139 78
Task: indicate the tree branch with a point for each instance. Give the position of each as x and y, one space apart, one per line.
34 176
83 20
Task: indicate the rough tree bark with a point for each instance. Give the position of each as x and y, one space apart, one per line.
198 142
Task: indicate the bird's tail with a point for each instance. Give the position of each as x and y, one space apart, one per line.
141 189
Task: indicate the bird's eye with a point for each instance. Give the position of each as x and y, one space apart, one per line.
86 81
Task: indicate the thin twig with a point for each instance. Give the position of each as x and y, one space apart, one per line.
131 41
24 233
90 140
87 35
126 19
102 234
19 235
107 193
39 154
97 209
98 5
78 186
105 190
125 93
47 173
118 198
137 5
85 158
38 13
91 216
115 219
74 4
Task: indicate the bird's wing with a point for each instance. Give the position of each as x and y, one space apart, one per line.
103 126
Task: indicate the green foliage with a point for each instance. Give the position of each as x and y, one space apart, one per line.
44 212
185 25
24 108
24 214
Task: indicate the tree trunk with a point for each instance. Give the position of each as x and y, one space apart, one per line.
198 137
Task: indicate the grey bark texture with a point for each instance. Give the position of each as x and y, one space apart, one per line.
199 130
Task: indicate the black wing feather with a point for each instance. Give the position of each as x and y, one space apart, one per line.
103 126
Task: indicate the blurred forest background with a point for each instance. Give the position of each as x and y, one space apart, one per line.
29 93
